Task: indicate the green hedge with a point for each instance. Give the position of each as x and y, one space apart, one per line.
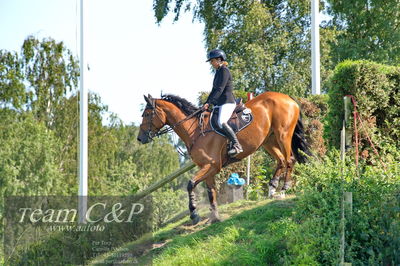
376 88
373 227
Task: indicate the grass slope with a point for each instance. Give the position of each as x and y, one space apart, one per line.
252 233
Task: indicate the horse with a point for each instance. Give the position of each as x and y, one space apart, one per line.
277 127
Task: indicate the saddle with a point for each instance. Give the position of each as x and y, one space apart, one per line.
240 119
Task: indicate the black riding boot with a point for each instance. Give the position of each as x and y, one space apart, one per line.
237 148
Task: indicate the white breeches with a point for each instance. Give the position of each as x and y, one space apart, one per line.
225 112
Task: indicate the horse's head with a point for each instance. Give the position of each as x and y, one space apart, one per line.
153 120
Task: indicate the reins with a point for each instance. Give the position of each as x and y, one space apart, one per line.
171 128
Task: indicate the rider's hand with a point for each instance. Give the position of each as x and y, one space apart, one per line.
205 106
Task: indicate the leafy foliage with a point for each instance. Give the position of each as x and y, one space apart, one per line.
51 71
372 228
12 88
27 164
27 157
373 34
376 90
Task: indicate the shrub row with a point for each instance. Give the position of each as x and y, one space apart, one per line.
372 229
376 89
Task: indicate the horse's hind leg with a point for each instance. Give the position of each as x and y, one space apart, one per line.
288 175
284 139
272 147
212 196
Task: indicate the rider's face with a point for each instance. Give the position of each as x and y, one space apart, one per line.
215 62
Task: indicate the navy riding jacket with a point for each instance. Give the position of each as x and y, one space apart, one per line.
222 91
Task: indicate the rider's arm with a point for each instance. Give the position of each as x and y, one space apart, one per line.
220 80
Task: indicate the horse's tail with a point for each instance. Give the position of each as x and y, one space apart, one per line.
299 143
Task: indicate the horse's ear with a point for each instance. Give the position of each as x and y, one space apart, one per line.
149 100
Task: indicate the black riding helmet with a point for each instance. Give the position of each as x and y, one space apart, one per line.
216 53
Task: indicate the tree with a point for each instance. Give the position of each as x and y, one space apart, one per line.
267 42
35 84
12 88
51 72
367 30
27 157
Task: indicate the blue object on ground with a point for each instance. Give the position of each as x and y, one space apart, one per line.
234 179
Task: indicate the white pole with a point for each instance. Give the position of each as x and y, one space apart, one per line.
315 54
249 97
83 151
248 170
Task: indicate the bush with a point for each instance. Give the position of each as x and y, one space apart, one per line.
373 226
376 89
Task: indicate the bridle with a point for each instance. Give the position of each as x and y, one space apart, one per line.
150 133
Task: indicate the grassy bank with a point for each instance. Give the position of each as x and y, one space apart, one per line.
252 233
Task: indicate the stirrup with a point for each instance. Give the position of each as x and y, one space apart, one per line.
235 150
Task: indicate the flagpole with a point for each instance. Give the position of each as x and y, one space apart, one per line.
83 151
315 54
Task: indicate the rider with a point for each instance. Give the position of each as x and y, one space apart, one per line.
221 96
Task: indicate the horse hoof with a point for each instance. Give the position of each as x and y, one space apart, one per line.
280 195
195 217
271 192
216 220
196 220
287 185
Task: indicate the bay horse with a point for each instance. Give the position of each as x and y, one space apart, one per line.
276 126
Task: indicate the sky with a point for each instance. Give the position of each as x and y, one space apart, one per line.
128 54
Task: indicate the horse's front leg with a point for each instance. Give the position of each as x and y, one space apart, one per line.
205 172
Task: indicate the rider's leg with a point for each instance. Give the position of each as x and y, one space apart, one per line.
225 112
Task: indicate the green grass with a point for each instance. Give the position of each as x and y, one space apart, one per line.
252 233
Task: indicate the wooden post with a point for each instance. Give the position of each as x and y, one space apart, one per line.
342 220
347 198
348 203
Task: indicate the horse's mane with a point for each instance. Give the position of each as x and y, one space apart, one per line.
187 107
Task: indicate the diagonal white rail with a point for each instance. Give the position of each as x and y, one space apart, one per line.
189 165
